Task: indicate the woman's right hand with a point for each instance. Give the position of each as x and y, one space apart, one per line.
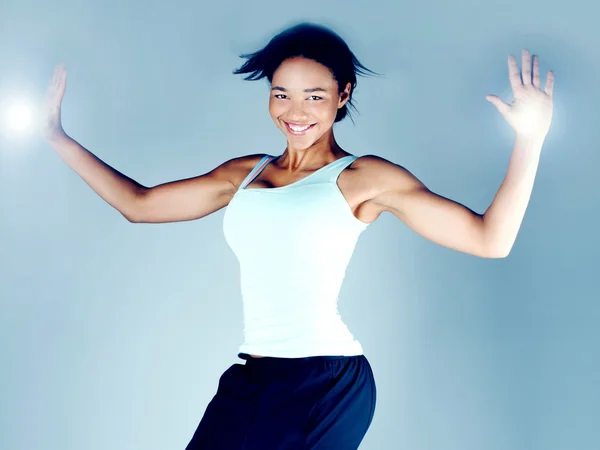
177 201
52 125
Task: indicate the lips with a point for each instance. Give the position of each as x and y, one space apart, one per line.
298 129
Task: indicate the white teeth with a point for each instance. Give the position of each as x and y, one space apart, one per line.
299 129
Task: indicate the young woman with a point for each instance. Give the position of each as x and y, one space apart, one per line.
293 221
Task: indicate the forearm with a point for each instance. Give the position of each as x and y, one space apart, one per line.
116 189
503 218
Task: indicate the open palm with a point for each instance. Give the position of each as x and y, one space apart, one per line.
52 125
530 113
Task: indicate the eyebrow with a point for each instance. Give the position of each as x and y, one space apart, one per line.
317 89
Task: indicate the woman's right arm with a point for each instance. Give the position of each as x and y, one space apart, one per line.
177 201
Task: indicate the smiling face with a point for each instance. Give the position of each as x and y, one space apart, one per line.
304 100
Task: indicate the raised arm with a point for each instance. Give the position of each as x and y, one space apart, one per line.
448 223
170 202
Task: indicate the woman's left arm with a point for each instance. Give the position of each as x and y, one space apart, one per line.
453 225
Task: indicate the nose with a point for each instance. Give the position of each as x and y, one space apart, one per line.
297 113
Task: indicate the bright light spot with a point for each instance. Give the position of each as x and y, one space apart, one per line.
19 116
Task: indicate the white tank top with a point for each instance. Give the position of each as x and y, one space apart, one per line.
293 244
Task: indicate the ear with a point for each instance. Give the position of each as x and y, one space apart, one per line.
345 95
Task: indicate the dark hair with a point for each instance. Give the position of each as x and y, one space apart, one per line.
313 42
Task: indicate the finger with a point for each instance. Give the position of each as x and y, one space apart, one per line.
513 73
502 107
62 71
526 66
536 71
57 85
59 74
549 88
53 81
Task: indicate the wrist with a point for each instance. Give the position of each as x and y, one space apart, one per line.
530 142
57 137
531 138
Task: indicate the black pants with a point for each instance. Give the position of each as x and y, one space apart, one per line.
319 402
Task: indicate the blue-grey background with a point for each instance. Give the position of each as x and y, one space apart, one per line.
114 335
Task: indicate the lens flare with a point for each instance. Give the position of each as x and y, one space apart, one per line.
19 116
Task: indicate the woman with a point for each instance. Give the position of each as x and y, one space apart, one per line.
293 222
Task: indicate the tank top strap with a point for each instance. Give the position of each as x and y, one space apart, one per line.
264 162
331 172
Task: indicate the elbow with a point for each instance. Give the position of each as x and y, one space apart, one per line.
498 252
133 214
130 218
496 248
132 211
496 245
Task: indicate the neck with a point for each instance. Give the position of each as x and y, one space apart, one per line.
322 152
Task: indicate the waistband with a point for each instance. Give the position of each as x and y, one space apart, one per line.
266 360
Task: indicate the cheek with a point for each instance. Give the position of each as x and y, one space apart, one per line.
276 109
322 111
330 111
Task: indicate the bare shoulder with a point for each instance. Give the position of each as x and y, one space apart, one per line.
373 164
235 170
382 175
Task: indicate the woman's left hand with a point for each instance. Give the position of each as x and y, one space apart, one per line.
530 113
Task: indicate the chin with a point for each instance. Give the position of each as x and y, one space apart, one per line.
299 145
